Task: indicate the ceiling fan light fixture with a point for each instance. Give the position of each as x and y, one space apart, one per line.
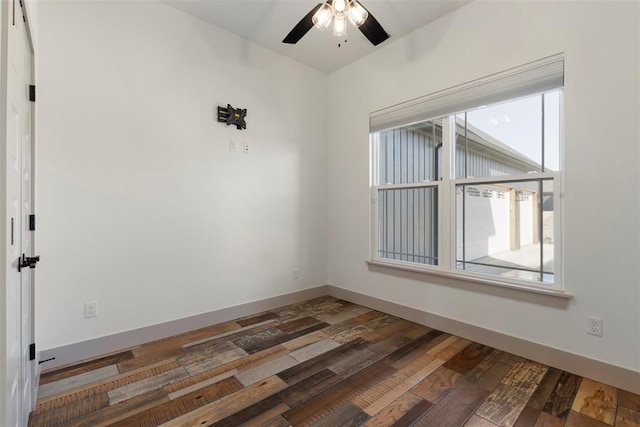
357 14
322 18
340 26
339 7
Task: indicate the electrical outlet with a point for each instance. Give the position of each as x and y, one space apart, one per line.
594 326
246 148
90 309
295 273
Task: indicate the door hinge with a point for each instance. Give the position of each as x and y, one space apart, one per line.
32 351
32 222
32 93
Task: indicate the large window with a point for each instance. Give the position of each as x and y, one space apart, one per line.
475 191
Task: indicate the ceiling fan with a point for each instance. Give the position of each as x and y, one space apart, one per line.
339 11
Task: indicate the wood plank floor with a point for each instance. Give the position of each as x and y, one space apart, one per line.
324 362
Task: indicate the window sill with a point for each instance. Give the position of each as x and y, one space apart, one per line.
467 278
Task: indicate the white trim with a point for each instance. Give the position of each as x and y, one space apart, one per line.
505 178
617 376
484 279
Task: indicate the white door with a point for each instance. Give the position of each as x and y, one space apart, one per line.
26 299
18 289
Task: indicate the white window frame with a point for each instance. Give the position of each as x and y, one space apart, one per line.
447 229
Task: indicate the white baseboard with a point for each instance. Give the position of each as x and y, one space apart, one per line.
73 353
617 376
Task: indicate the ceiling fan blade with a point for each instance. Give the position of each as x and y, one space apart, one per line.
301 27
372 30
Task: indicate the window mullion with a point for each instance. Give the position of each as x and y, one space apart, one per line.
446 236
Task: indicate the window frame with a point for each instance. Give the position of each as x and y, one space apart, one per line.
446 212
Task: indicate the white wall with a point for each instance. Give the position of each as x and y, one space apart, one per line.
601 227
142 207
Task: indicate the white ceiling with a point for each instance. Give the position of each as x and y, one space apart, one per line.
267 22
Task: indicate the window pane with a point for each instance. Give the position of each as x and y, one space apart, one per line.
506 139
499 228
552 131
548 218
410 154
407 224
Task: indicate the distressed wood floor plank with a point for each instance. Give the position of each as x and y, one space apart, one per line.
185 338
309 387
629 400
70 383
450 350
388 345
229 404
314 350
627 418
456 407
415 348
528 417
504 405
299 324
494 375
69 410
283 400
548 420
437 385
506 402
403 387
335 396
596 400
247 321
190 389
353 322
248 341
576 419
481 368
272 341
304 340
467 359
115 413
134 389
414 414
544 390
394 411
259 373
235 365
393 329
55 374
476 421
211 357
266 417
318 363
228 335
167 411
346 415
561 399
275 422
346 315
353 361
364 329
149 359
